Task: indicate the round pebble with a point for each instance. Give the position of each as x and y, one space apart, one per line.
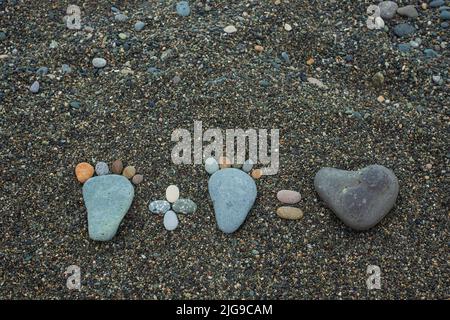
257 173
84 171
259 48
288 196
211 165
248 165
137 179
34 88
290 213
99 62
138 26
172 193
117 167
287 27
129 172
170 220
101 168
183 8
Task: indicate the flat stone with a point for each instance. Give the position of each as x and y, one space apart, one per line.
437 3
290 213
445 15
359 198
233 193
288 196
404 30
230 29
138 26
99 62
107 199
186 206
170 220
159 206
387 9
409 11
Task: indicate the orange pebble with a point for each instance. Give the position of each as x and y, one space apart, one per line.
224 162
84 171
257 173
310 61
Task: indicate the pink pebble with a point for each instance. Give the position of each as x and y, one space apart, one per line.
288 196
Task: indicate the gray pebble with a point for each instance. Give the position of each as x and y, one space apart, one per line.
359 198
404 30
186 206
211 165
75 104
387 9
409 11
445 15
248 165
139 26
170 220
42 71
120 17
34 88
65 68
183 8
99 62
159 206
437 3
101 168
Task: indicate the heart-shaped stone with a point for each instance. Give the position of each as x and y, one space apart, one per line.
233 193
359 198
107 199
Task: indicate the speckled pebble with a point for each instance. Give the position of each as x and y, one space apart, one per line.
159 206
101 168
186 206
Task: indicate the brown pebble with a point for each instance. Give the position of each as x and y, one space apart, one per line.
290 213
117 167
257 173
129 172
84 171
310 61
137 179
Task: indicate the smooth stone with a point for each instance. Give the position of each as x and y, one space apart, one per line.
117 167
359 198
248 165
75 104
84 171
34 88
445 15
230 29
99 62
123 36
437 3
120 17
186 206
387 9
183 8
409 11
404 30
438 80
233 193
211 165
172 193
404 47
290 213
129 172
288 196
285 57
42 71
107 199
65 68
170 220
430 53
138 26
101 168
137 179
159 206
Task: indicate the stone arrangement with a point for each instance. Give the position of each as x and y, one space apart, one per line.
171 206
107 196
289 212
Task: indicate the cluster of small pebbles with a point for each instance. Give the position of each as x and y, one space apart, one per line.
212 165
289 197
171 206
84 171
